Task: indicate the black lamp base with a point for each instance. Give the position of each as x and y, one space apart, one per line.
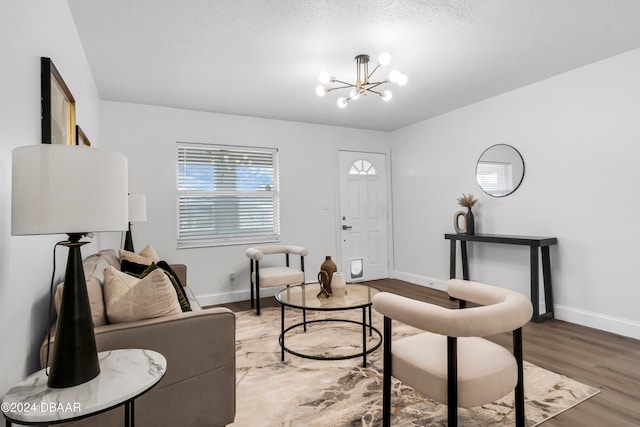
128 240
75 358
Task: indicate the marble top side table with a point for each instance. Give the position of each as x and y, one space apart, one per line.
124 375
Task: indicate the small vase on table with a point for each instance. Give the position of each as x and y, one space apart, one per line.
466 201
471 222
329 267
338 284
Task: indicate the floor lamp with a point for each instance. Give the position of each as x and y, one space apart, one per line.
73 190
137 213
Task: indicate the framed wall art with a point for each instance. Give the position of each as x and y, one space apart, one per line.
58 106
81 137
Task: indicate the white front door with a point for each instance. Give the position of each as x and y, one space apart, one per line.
363 216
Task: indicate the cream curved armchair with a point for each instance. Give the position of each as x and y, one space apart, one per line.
273 276
450 362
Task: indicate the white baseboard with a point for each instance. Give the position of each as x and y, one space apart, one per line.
603 322
240 295
429 282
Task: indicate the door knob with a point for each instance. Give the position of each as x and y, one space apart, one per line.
347 227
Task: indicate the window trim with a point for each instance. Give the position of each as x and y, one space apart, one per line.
191 242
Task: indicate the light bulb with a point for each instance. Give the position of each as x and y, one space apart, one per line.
386 95
394 76
354 94
402 80
324 77
321 90
384 58
342 102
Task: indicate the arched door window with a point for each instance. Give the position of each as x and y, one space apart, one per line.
362 167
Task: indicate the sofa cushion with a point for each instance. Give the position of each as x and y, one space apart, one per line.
175 280
127 298
95 264
141 271
96 301
193 301
133 268
146 256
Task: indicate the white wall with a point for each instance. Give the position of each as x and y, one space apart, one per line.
579 134
308 156
29 30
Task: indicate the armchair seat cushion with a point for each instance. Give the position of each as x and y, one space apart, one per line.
486 371
279 276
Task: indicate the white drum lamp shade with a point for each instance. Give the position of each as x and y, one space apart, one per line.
68 189
137 208
74 190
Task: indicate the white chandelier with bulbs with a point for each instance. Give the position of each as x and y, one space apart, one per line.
363 85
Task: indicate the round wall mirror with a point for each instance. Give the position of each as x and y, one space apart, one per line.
500 170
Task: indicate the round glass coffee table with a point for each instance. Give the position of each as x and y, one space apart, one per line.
306 297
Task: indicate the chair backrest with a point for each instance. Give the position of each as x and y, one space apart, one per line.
501 309
506 310
259 252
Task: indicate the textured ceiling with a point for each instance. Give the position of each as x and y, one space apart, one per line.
262 57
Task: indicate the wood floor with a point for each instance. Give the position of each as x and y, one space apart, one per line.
606 361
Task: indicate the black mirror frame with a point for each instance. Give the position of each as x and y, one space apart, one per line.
521 178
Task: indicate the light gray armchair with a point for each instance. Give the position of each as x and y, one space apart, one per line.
273 276
450 362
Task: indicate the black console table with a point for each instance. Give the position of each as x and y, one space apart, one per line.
534 243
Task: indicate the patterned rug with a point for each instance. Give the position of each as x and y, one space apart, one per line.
304 393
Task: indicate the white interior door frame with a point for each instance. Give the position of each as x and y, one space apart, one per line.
382 159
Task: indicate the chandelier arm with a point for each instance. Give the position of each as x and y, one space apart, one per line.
374 85
374 91
374 70
341 87
345 83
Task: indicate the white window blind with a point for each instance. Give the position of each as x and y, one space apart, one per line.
227 195
495 177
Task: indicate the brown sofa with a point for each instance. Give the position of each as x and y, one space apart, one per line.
199 387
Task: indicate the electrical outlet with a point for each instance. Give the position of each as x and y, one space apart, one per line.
232 277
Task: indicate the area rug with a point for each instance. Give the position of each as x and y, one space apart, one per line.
324 393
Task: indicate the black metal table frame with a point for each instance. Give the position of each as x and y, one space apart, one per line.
534 243
304 323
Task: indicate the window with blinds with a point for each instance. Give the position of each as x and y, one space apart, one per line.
496 178
227 195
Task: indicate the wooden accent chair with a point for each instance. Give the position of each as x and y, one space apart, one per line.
268 277
450 362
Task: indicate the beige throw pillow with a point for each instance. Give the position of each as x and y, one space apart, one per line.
146 256
95 264
127 298
94 290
